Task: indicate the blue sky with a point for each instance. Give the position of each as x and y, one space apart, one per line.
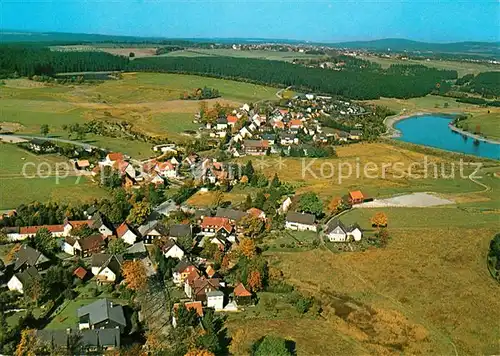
328 21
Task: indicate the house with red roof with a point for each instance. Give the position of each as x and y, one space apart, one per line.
112 157
126 233
213 225
295 124
356 197
182 271
231 120
166 169
241 295
256 213
81 273
255 147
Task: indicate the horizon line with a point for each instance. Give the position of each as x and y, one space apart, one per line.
14 31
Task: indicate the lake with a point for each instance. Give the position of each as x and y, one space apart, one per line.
432 130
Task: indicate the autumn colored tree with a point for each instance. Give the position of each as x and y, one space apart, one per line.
139 213
35 290
247 247
135 275
12 253
239 343
29 345
254 281
198 352
379 220
251 226
217 199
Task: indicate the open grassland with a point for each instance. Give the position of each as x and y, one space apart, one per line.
149 101
461 67
305 174
488 124
207 199
429 292
256 54
16 188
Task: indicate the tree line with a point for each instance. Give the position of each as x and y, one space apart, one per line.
400 81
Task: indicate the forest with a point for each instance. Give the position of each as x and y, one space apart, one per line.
354 82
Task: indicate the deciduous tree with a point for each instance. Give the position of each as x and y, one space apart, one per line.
139 213
379 220
247 247
254 281
117 246
134 274
310 203
251 226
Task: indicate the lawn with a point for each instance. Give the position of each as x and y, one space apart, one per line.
16 189
461 67
66 315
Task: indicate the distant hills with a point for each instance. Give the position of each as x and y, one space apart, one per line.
402 45
383 45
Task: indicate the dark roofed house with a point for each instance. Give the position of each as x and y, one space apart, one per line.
336 231
101 314
255 147
233 215
152 230
106 267
29 257
180 230
300 221
21 279
42 146
90 245
85 340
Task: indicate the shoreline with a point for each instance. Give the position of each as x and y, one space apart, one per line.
392 132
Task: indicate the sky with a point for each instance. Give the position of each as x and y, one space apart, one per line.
311 20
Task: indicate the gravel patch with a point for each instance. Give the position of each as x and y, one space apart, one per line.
414 200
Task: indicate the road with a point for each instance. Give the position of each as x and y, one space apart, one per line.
19 138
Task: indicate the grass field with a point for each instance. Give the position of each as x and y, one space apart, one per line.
461 67
305 177
257 54
15 189
434 278
150 101
489 124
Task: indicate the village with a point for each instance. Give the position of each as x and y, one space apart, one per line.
202 255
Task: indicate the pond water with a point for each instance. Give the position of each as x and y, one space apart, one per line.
433 131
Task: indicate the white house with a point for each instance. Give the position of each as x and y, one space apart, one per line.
300 221
19 280
285 205
106 268
244 132
173 250
166 169
336 231
215 299
125 233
